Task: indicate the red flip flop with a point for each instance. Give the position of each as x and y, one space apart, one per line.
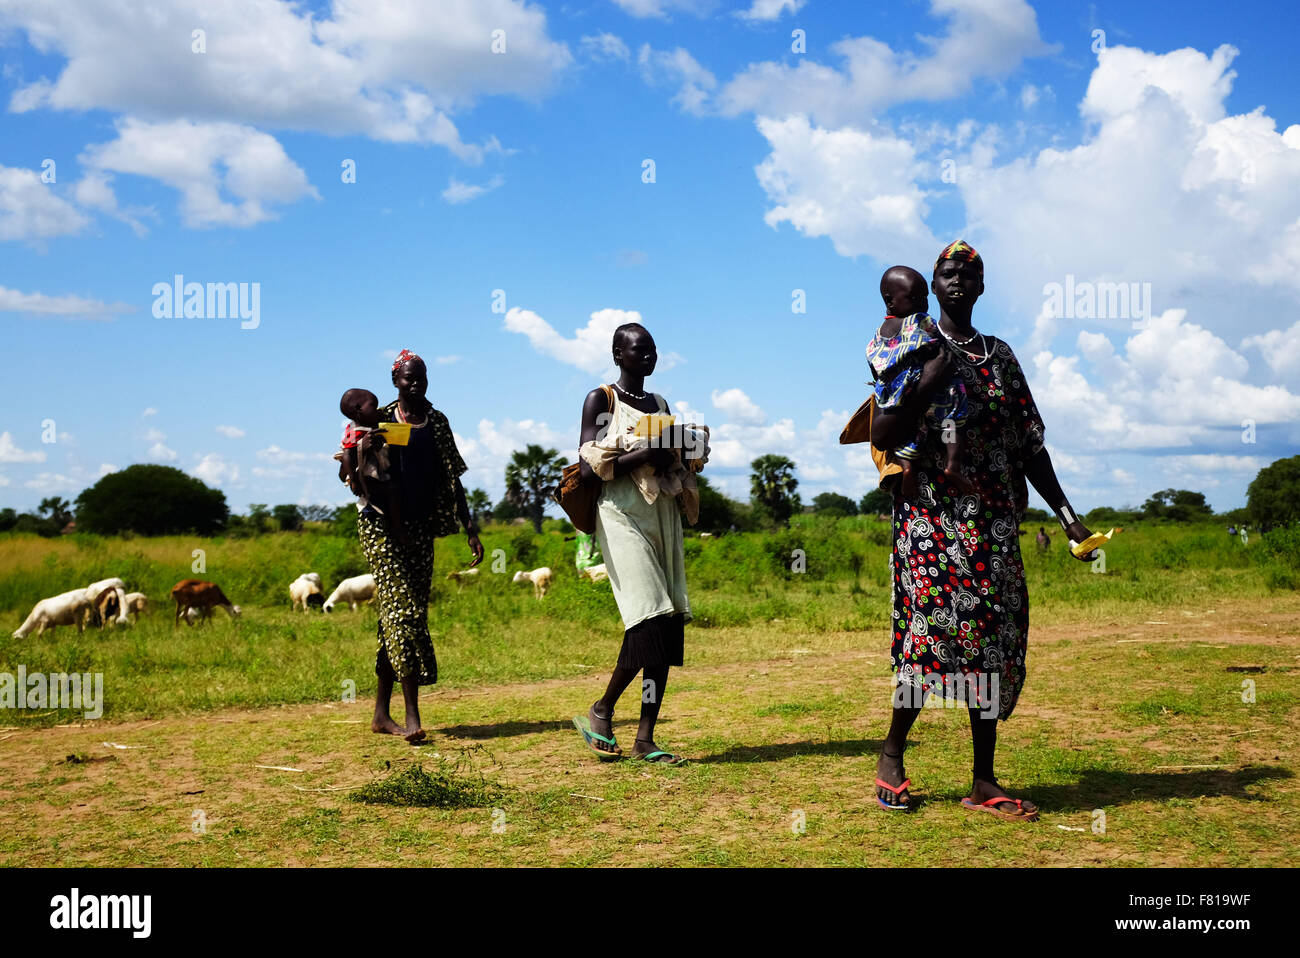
1019 815
897 791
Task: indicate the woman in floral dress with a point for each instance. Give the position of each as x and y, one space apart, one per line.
961 610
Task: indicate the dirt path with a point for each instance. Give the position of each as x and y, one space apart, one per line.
1143 720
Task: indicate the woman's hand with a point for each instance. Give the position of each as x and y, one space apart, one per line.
1077 532
657 456
934 371
476 547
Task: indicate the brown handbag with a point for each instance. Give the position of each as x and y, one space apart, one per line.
577 496
858 429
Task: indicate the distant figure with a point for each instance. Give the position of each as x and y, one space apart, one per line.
1043 540
1244 538
588 551
1232 530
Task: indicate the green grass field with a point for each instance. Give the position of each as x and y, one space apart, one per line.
1133 709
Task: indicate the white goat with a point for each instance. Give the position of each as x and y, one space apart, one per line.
359 588
540 578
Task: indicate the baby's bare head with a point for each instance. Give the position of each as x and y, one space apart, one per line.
904 291
361 406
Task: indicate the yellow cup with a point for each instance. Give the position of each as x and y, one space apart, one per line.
396 433
652 424
1093 541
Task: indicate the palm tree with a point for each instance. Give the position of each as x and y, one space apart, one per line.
772 486
57 512
530 477
480 504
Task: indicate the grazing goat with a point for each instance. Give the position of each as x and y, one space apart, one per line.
95 594
460 577
137 604
596 573
202 596
306 590
540 578
66 608
359 588
107 608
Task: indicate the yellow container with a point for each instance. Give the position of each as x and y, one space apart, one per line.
396 433
652 424
1093 541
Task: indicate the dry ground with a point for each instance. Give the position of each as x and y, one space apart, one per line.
1142 721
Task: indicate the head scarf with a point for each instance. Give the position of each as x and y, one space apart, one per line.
405 356
963 252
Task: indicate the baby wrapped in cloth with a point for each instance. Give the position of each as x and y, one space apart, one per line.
639 528
678 480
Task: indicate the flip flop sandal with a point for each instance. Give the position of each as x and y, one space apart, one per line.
897 791
660 758
1020 815
583 725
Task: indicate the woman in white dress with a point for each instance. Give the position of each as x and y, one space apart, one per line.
639 529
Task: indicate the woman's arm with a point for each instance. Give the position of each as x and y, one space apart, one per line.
471 530
893 428
1041 474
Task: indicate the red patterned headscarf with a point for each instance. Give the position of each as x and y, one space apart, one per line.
963 252
405 356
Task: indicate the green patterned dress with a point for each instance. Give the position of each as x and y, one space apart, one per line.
427 473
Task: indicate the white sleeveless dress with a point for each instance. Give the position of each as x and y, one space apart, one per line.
641 541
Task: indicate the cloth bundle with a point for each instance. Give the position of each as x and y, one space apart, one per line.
678 480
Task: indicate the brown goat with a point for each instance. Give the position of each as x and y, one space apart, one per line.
200 595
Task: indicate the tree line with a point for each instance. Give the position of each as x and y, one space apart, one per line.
162 500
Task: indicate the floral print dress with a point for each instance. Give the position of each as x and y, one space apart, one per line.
961 609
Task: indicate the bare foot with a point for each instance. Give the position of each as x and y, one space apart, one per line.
386 726
413 735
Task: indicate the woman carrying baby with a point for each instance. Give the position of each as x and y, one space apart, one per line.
647 480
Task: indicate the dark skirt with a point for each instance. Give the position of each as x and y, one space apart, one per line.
653 643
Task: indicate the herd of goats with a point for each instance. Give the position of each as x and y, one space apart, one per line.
107 602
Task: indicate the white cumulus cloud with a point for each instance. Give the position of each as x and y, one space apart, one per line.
31 210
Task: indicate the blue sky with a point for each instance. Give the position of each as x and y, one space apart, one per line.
1167 156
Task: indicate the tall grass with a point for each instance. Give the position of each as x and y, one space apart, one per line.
494 631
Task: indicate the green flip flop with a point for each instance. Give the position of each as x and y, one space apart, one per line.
590 738
660 757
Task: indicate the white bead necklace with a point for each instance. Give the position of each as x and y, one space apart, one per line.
984 344
629 395
957 342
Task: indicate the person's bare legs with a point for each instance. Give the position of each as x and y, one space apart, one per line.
984 740
383 723
411 696
908 482
652 696
601 713
890 766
